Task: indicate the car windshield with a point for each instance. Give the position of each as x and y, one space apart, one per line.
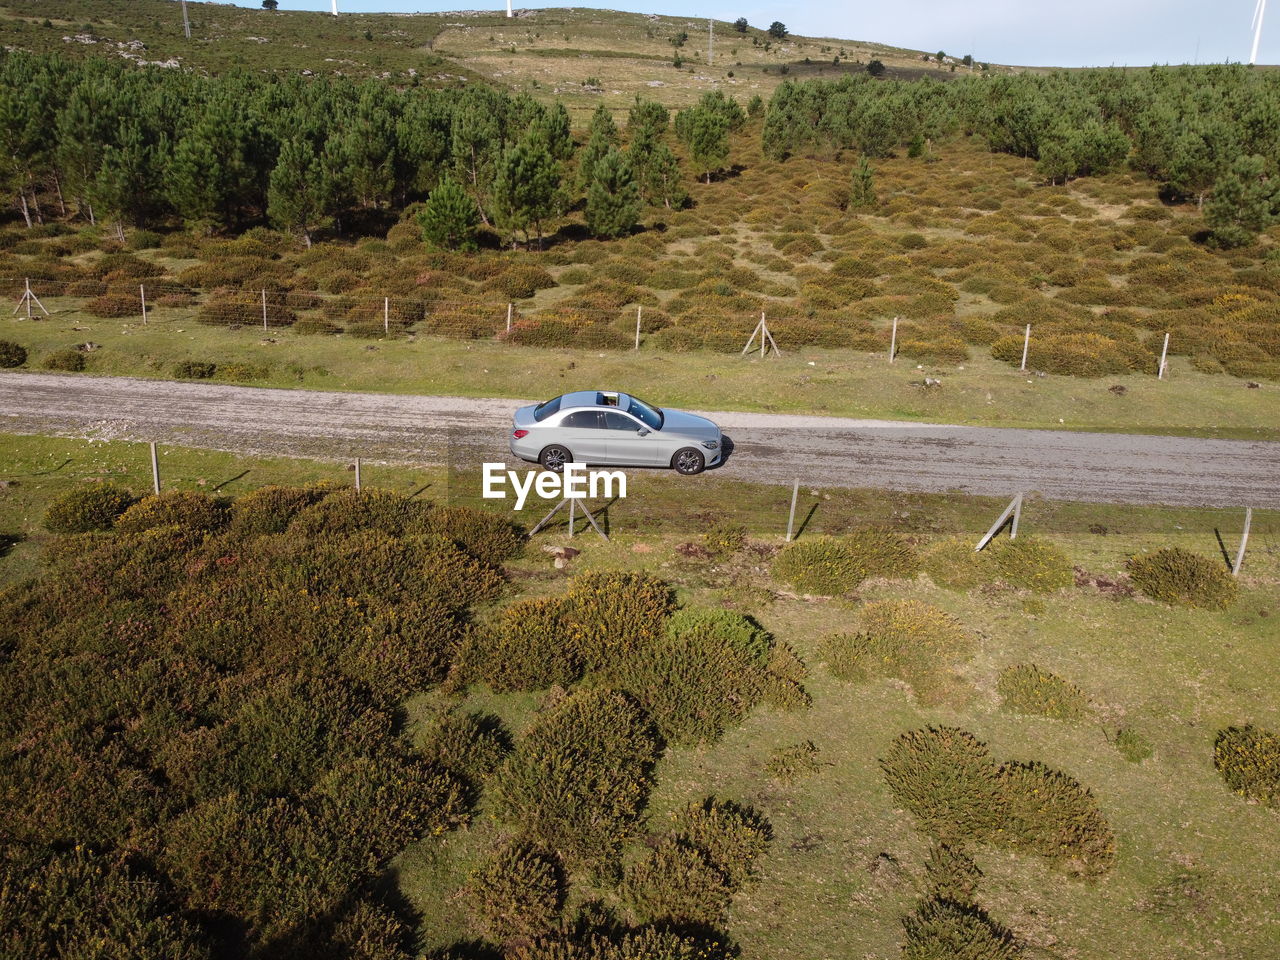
544 410
649 414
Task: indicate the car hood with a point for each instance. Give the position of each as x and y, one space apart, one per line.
689 425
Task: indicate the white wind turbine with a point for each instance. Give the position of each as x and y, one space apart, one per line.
334 3
1258 12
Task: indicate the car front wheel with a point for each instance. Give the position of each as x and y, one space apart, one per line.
554 458
688 461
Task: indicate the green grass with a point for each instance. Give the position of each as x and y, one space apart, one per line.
809 380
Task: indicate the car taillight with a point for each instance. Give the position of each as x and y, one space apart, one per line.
520 433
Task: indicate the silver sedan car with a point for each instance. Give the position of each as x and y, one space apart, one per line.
600 428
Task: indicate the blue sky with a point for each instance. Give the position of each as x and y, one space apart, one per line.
1030 32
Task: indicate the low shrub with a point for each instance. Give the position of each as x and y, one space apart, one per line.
270 510
523 648
1248 759
521 281
114 305
197 512
951 874
940 350
830 565
942 929
731 837
580 776
793 763
954 564
946 778
194 370
725 539
675 884
11 354
91 508
516 894
469 745
310 326
1031 564
489 537
241 372
1182 578
1026 689
71 361
906 639
349 511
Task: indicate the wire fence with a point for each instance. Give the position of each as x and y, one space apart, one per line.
565 323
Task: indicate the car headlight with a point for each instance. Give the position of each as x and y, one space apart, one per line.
711 444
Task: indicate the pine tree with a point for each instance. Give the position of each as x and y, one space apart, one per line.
613 199
125 185
707 135
297 195
449 218
862 191
602 136
662 183
476 145
525 188
1246 200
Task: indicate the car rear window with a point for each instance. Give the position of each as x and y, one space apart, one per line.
544 410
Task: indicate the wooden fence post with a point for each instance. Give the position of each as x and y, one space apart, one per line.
386 315
1164 353
155 470
142 294
357 474
264 309
791 518
1026 345
638 309
893 340
509 318
1244 540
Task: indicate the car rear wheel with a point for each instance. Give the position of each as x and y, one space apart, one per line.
554 458
688 461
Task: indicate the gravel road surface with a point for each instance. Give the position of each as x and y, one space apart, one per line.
769 448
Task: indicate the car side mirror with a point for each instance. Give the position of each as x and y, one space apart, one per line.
643 431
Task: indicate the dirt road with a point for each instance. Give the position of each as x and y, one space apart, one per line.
823 451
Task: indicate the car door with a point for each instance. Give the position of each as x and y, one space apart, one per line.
584 433
627 446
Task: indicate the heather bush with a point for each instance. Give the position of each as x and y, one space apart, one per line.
939 350
11 354
197 512
1248 759
194 370
954 564
114 305
941 929
241 372
1182 578
523 648
946 778
348 511
579 778
67 361
951 874
80 903
725 539
793 763
1031 564
732 838
308 326
90 508
489 537
831 565
469 745
906 639
269 510
1026 689
516 894
674 883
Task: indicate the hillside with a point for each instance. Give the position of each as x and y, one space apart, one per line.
583 56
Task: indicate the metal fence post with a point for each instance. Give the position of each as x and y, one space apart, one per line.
155 470
509 306
386 315
357 474
264 309
893 340
638 309
791 518
142 294
1164 353
1026 345
1244 540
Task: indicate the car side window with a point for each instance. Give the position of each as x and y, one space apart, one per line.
582 419
618 421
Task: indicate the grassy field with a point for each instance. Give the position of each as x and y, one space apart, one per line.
844 862
809 380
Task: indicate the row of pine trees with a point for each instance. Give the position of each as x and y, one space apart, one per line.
133 147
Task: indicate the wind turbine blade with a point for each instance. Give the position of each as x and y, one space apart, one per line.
1257 8
1260 12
